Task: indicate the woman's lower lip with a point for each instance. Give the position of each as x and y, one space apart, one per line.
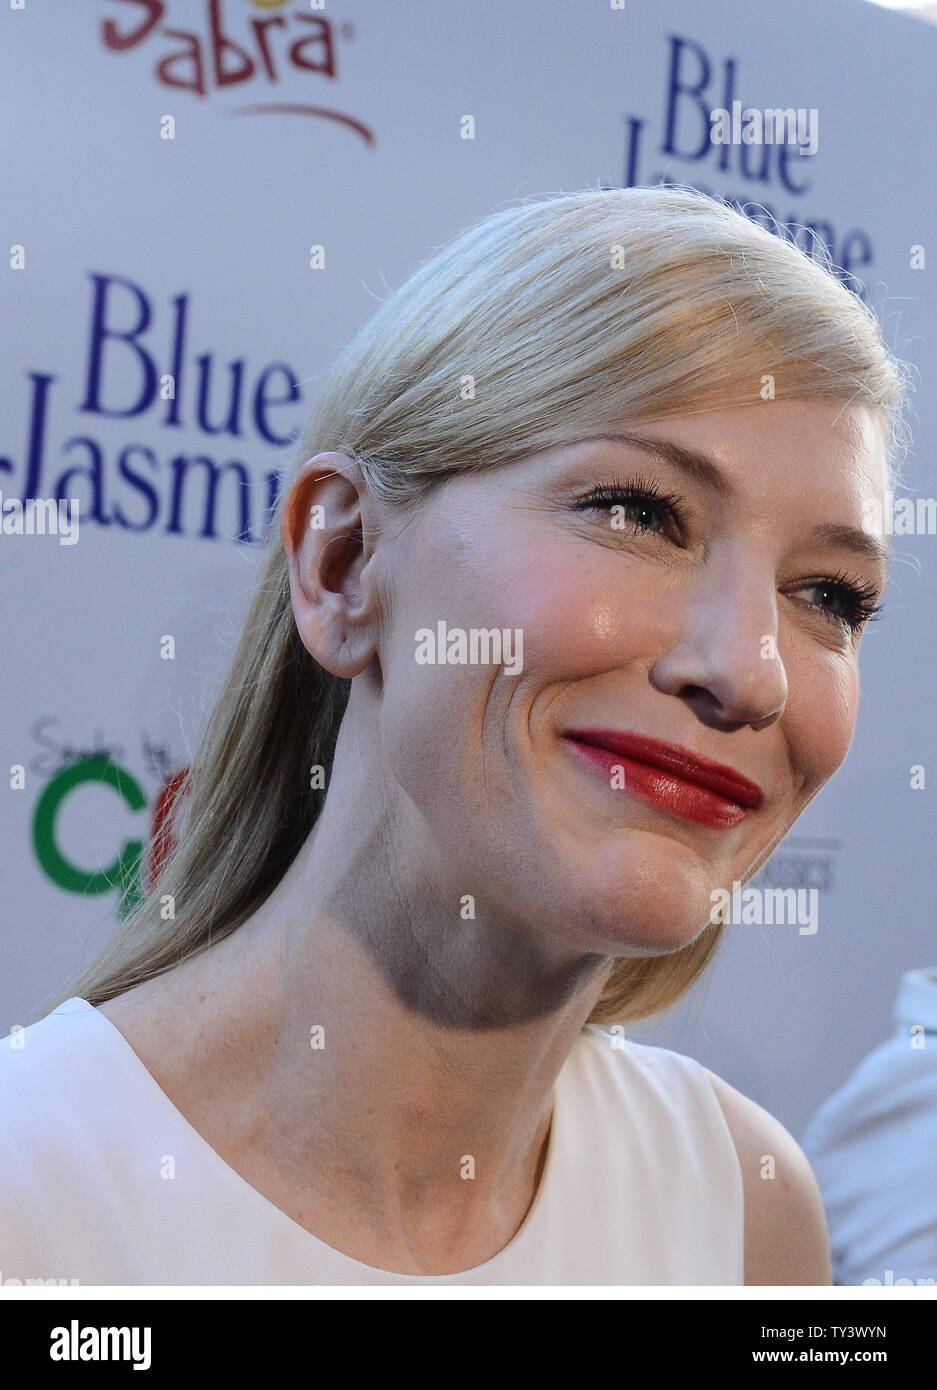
662 789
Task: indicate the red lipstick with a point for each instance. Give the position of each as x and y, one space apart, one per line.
674 778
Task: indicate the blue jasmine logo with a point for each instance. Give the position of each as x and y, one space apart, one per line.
133 486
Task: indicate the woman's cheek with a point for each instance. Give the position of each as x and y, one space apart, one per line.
577 619
823 709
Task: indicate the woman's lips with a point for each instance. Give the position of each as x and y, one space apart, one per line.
671 777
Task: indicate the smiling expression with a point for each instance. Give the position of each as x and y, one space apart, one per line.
706 588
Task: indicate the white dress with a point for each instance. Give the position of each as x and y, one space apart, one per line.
103 1181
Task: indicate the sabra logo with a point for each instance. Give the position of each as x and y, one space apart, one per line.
230 49
126 873
211 490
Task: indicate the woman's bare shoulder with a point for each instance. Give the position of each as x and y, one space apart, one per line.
146 1013
786 1238
162 1021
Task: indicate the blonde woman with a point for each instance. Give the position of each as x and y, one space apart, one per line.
558 637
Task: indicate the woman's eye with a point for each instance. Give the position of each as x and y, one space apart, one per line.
645 515
638 505
830 599
634 507
849 604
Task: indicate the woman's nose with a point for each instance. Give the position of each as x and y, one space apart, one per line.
725 662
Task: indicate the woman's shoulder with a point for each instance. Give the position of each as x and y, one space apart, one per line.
45 1048
50 1075
660 1069
60 1082
786 1239
669 1098
40 1065
785 1226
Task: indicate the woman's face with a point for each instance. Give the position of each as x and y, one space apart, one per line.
711 616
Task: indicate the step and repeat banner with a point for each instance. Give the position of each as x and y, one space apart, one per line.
202 200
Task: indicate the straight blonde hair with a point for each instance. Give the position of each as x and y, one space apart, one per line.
566 313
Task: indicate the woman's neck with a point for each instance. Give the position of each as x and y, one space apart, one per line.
376 1065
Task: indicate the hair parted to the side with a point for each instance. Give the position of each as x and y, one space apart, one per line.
570 312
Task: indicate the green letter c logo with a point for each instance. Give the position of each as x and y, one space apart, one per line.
123 873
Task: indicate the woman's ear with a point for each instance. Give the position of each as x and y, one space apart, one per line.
328 531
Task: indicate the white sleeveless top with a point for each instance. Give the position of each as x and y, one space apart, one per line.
641 1183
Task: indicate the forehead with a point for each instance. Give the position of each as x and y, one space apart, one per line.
791 434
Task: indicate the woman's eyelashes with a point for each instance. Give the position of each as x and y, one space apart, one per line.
854 597
635 504
639 505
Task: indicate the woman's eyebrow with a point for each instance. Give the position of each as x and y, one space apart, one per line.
697 466
702 469
859 542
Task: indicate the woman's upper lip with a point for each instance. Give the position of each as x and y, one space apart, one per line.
671 757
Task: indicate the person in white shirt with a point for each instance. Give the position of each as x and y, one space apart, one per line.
873 1148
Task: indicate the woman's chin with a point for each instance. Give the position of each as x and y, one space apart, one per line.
654 906
651 935
660 939
626 924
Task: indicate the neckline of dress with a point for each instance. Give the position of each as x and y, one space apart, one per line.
522 1235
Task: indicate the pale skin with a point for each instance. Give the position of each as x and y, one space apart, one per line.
444 1036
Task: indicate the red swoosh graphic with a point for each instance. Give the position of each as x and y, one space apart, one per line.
292 108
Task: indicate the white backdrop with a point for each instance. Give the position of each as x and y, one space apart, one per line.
342 129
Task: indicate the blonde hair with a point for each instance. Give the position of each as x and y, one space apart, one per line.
569 313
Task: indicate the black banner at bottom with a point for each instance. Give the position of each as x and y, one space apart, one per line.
244 1336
